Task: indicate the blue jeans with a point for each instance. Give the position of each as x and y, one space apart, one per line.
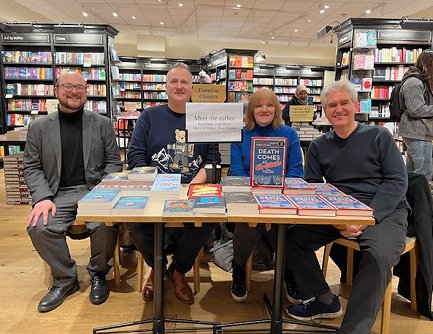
419 157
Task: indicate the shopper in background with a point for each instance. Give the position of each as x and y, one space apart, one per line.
363 161
204 78
416 125
159 139
300 98
263 119
67 153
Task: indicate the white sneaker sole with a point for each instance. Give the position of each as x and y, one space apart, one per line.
332 315
239 299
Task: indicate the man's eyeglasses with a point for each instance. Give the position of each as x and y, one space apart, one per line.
69 87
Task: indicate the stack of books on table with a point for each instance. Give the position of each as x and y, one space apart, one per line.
98 202
295 186
130 206
347 205
275 204
326 189
15 185
166 186
312 205
235 184
137 188
241 203
146 173
208 198
178 208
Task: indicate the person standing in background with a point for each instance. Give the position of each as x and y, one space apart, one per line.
300 98
67 153
416 124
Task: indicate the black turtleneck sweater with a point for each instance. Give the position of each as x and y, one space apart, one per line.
71 134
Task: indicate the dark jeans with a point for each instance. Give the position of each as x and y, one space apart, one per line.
191 240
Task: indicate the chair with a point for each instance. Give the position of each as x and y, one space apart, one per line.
78 232
410 247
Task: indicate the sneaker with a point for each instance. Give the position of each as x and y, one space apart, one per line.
315 309
293 299
239 289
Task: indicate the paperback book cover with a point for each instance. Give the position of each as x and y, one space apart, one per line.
209 204
98 201
204 189
275 204
235 184
268 162
348 206
130 206
326 189
166 186
117 176
312 205
111 184
178 208
137 188
145 173
296 185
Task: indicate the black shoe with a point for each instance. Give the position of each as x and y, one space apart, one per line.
239 289
56 296
99 291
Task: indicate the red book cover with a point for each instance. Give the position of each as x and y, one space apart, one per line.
312 205
204 189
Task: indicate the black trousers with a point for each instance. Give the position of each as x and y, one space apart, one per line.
191 240
381 246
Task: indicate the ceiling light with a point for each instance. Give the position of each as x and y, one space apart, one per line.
295 30
326 6
180 4
309 20
133 17
321 11
85 14
161 23
367 11
238 6
114 14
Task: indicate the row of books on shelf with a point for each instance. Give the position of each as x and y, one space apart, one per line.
79 58
239 96
263 81
286 81
89 73
311 82
27 57
218 75
27 105
381 111
154 77
34 73
130 76
239 85
363 62
390 72
397 55
30 89
155 95
96 89
241 74
381 92
99 107
20 119
284 90
241 61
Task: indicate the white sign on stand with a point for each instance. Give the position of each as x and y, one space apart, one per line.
214 122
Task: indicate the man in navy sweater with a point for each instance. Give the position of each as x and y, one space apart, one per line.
158 140
363 161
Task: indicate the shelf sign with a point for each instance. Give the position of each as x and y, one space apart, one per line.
93 39
344 39
208 93
403 35
301 113
26 38
214 122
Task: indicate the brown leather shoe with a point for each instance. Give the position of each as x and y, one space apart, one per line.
148 288
181 287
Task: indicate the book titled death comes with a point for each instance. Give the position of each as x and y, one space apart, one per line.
268 162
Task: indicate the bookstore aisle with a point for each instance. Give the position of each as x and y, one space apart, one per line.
25 279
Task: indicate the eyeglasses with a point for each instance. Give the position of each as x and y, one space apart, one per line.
67 87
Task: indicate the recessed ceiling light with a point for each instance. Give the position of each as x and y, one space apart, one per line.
321 11
367 11
326 6
85 14
133 17
295 30
180 4
238 5
161 23
115 14
309 20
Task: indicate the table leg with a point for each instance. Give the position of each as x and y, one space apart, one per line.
277 316
158 298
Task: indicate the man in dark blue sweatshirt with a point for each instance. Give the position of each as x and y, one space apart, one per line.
158 140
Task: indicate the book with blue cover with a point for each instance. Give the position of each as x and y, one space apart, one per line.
296 185
130 206
178 208
145 173
326 189
268 162
275 204
166 186
98 201
209 204
312 205
347 205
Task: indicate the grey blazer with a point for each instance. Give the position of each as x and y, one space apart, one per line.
43 156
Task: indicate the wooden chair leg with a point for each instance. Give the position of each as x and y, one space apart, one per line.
196 270
325 260
249 269
139 271
413 267
386 310
116 263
